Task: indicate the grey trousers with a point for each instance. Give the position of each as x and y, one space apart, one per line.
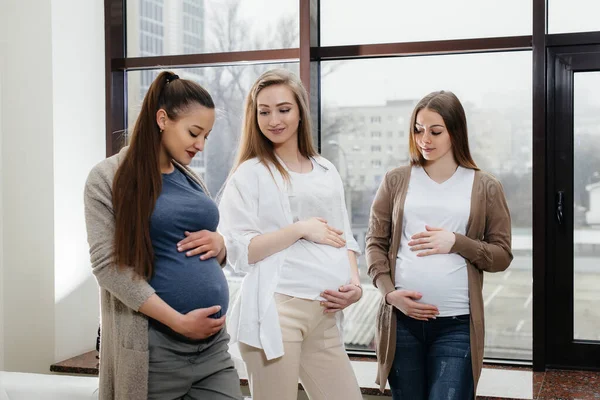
191 370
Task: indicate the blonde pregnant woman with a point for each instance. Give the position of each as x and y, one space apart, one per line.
286 226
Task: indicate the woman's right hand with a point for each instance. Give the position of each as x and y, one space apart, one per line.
197 324
316 230
405 301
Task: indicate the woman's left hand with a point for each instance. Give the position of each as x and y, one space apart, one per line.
207 242
432 241
340 299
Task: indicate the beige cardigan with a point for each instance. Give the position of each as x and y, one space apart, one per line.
124 344
486 247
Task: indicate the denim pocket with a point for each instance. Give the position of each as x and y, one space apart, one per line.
462 318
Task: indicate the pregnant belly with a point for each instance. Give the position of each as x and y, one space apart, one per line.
309 269
190 283
444 286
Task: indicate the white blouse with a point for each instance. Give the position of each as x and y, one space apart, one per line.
310 268
254 202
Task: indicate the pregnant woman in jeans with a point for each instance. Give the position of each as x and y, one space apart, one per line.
435 226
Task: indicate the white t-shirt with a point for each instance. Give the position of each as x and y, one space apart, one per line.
440 278
309 267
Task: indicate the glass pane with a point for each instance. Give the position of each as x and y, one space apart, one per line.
346 22
366 110
586 190
161 27
228 86
566 16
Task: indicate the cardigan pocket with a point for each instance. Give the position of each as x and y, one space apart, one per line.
131 375
385 314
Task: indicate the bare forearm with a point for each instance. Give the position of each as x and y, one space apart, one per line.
221 256
263 246
156 308
354 275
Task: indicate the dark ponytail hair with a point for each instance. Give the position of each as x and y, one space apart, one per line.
138 181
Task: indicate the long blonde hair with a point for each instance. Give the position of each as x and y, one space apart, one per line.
253 144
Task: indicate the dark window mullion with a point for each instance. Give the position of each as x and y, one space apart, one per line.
441 47
116 104
540 218
205 59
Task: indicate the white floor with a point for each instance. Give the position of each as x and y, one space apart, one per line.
493 382
17 386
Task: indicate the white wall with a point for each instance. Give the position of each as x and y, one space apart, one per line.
28 191
1 252
79 143
52 133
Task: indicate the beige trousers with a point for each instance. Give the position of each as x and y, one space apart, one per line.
314 353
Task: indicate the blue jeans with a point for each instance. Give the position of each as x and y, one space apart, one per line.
432 359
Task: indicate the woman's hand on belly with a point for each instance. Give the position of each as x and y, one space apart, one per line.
405 301
207 242
340 299
432 241
316 230
198 324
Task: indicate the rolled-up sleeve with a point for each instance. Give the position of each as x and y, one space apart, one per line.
239 222
378 238
493 253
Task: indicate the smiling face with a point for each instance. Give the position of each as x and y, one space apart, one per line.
278 114
183 137
431 136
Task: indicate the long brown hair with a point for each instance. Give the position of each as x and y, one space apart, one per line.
447 105
253 144
138 180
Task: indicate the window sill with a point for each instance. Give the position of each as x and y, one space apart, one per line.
496 382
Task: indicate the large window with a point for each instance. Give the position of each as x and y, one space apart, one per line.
366 65
365 109
495 90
